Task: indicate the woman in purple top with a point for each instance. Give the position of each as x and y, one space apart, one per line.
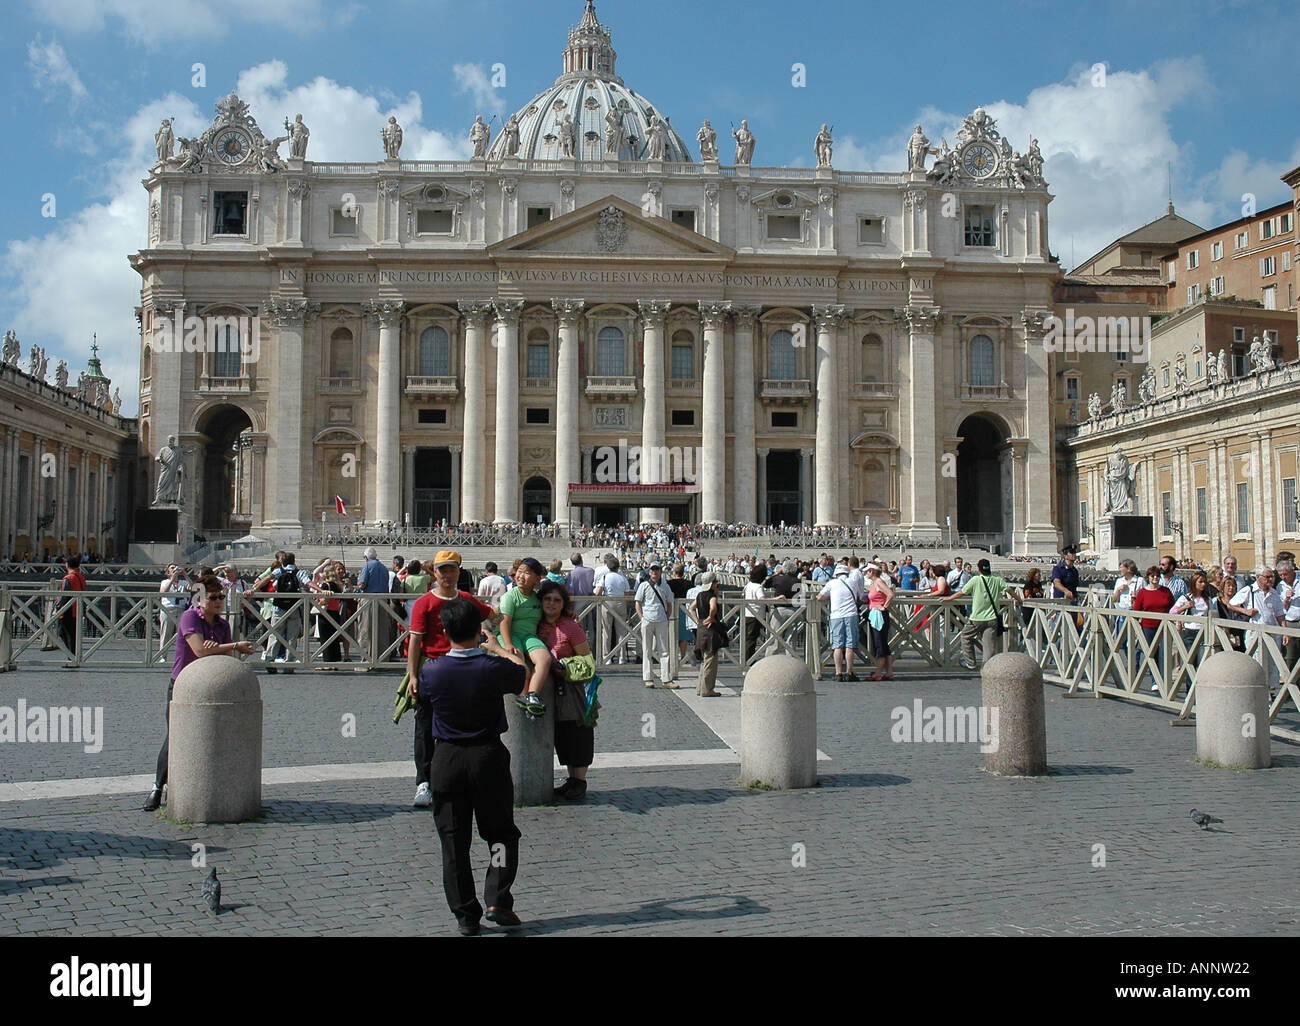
200 632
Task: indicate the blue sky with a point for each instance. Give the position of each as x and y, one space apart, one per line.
1203 86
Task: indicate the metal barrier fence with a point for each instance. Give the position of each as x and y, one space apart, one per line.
1089 650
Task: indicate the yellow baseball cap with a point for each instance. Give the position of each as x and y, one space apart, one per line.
445 557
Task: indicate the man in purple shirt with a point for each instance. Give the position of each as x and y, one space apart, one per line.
581 578
470 769
200 632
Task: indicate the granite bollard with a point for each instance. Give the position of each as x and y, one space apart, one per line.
778 724
531 743
1232 712
214 772
1012 684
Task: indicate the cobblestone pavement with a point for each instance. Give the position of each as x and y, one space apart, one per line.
900 838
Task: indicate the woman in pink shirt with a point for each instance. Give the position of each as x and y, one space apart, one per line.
560 632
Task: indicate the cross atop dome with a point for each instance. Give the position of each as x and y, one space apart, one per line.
590 51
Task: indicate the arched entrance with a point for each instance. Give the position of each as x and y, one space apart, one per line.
221 427
984 482
537 500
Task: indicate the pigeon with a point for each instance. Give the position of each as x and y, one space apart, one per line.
1203 819
212 892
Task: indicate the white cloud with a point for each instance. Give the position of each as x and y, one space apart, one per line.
152 22
849 155
51 70
1239 176
473 79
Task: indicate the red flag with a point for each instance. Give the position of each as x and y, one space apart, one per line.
338 504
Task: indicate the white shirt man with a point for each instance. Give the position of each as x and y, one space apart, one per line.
492 587
1290 595
958 576
613 585
1263 604
654 604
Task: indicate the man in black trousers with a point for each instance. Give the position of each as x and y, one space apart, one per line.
470 769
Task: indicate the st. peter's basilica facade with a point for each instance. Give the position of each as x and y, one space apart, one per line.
468 339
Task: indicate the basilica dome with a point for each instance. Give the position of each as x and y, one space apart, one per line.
587 91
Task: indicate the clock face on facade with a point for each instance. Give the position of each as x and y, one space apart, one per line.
233 146
979 160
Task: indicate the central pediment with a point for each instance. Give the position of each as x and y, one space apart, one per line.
611 228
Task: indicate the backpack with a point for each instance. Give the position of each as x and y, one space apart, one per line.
287 584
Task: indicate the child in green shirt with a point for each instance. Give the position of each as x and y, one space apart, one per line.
521 612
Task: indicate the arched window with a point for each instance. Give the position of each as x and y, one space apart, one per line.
341 353
435 353
539 354
781 361
683 356
611 361
982 372
873 358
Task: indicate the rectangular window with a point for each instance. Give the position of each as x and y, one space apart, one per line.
539 361
980 227
871 231
1242 240
1286 260
537 415
1193 259
1267 228
1072 388
1243 508
683 418
1202 512
1173 271
1193 294
1121 355
783 419
432 221
431 416
225 356
229 212
1284 223
684 218
1267 266
1289 512
1083 518
1166 514
784 226
1238 362
342 224
1270 298
1239 334
538 215
1216 251
683 368
1216 286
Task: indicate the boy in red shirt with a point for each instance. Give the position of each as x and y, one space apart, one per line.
428 640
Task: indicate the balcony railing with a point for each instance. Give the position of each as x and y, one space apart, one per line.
540 383
621 385
211 383
433 384
340 384
881 389
1002 391
787 390
683 384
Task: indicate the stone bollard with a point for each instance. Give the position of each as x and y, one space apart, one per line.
778 724
214 772
1232 712
531 744
1012 691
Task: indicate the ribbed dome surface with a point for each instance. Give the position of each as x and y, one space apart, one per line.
587 90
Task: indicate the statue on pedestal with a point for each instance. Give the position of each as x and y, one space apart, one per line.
613 133
479 134
744 143
823 146
298 134
1118 397
13 350
391 133
708 140
164 142
61 375
171 474
511 134
1223 364
655 139
568 137
918 148
1094 408
1119 481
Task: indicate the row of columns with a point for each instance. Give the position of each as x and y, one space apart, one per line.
24 501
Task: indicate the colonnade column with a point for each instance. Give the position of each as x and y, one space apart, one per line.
1271 529
567 394
763 454
471 479
805 487
1040 535
923 517
387 504
652 417
713 462
288 315
746 500
60 526
408 483
827 510
506 505
456 508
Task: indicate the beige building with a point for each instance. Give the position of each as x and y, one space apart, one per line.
67 462
468 339
1252 258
